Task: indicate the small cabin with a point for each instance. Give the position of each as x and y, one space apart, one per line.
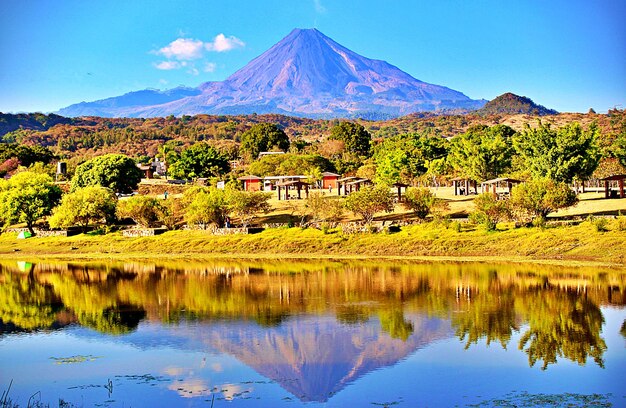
251 183
147 170
329 180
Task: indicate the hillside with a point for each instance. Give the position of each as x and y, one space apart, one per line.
511 104
90 136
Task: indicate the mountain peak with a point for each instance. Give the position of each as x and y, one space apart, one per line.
308 74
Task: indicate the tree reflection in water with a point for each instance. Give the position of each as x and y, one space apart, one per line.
555 309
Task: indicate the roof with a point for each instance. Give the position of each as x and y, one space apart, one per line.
249 178
347 179
292 183
283 177
460 179
400 185
360 181
329 174
614 177
501 180
269 153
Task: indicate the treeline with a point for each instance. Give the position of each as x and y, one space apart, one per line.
85 137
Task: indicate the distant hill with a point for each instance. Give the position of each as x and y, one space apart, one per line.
511 104
33 121
306 74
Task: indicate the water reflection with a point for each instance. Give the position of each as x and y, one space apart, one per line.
314 328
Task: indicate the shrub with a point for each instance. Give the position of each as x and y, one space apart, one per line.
85 206
319 208
368 201
538 198
205 206
246 205
489 211
600 223
422 202
456 226
620 223
147 212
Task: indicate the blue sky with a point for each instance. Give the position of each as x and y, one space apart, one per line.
566 55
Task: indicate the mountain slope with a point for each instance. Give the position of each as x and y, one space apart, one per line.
305 74
511 104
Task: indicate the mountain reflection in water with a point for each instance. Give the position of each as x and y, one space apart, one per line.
314 328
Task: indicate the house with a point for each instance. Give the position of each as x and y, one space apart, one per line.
147 170
251 183
329 180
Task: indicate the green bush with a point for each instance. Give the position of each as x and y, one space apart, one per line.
147 212
538 198
489 211
600 223
85 206
422 202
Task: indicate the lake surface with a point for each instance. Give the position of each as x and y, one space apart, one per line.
328 334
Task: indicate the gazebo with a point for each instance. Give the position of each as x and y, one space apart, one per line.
620 180
297 184
342 183
400 186
497 182
462 186
355 184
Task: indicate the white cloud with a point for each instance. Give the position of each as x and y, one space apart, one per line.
183 49
168 65
222 43
319 8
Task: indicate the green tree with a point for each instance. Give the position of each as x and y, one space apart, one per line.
320 208
368 201
115 171
25 154
288 164
205 207
488 211
482 153
356 139
421 201
85 206
26 197
405 157
147 212
263 137
538 198
199 160
564 154
246 205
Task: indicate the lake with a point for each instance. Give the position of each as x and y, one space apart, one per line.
292 333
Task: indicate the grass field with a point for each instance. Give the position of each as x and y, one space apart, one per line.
444 239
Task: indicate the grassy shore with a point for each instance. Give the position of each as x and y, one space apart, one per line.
579 243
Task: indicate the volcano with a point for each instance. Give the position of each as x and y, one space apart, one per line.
305 74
